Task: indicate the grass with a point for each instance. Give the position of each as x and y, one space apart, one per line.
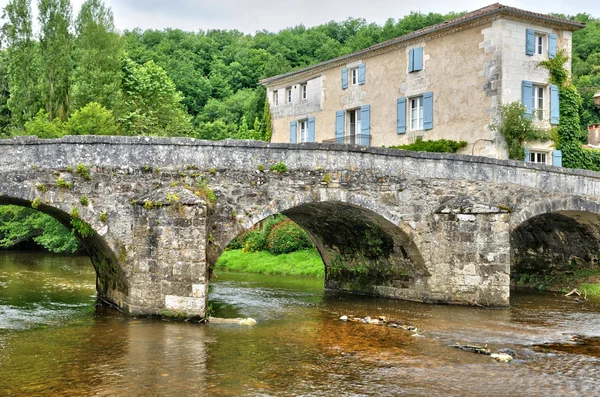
300 263
590 289
587 280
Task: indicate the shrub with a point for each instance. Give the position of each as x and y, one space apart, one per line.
42 127
92 119
287 237
440 146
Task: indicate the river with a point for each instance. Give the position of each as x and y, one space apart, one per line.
55 341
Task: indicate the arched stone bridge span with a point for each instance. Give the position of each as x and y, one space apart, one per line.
418 226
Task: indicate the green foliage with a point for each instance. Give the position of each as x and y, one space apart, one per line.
148 204
56 50
300 263
261 167
287 237
84 201
517 128
569 130
279 167
103 217
439 146
41 187
82 171
42 127
152 104
23 62
92 119
98 57
20 224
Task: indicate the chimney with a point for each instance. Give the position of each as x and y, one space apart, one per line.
594 134
597 99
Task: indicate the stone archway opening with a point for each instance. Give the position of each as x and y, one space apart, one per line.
111 283
556 250
362 251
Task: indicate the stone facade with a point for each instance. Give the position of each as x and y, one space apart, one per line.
471 65
416 226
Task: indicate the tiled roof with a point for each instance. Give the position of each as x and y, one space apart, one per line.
482 12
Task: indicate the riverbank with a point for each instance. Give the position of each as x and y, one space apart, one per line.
586 281
300 263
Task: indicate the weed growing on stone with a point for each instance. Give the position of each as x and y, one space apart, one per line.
41 187
172 197
82 171
279 167
62 184
148 204
212 170
261 168
327 179
35 204
84 201
103 217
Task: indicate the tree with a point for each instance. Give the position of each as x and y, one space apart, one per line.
56 47
98 58
42 127
92 119
152 104
20 224
23 62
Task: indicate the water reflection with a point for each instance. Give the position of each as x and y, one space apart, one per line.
55 341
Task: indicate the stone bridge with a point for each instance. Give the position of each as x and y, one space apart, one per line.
418 226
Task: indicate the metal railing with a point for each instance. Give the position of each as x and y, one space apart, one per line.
358 139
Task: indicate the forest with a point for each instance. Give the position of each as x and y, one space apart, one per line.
67 74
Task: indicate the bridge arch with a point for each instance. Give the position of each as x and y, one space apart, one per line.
111 282
555 239
365 248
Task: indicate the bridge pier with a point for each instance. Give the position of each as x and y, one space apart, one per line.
169 275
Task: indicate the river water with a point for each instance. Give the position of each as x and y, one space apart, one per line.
54 341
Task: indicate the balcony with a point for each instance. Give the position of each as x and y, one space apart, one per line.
358 139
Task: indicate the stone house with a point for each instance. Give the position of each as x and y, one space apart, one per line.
441 82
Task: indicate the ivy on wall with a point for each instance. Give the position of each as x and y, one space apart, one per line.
569 129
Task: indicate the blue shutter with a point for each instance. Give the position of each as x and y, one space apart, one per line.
557 158
526 155
527 97
339 126
311 129
365 125
344 78
554 105
530 42
552 46
418 59
362 70
428 110
401 121
293 127
411 60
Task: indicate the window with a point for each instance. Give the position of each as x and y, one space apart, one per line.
537 157
289 94
416 113
276 98
303 91
538 103
353 125
354 76
303 131
539 44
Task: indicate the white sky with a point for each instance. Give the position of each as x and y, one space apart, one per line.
274 15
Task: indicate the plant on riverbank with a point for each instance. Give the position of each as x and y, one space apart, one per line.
439 146
299 263
287 237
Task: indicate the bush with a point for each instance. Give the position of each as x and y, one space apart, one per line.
287 237
255 239
92 119
441 146
42 127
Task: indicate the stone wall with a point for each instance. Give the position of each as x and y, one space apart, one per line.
419 226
